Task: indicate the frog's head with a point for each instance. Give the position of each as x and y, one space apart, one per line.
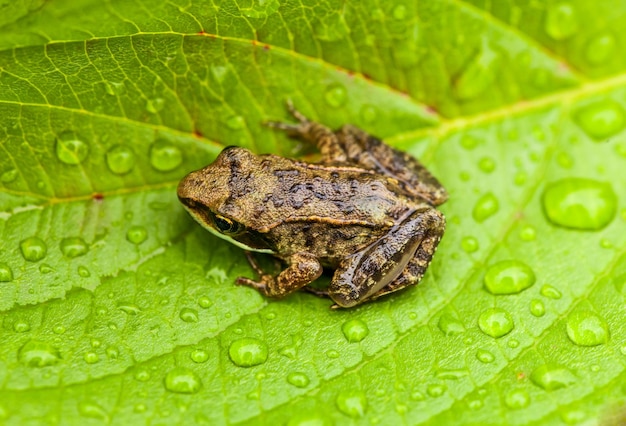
219 197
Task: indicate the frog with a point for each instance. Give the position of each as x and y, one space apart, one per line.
365 210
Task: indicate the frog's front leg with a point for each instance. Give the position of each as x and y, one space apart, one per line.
302 269
397 260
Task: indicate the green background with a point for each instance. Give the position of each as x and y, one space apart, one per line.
130 314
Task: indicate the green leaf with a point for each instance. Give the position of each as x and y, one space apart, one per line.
118 308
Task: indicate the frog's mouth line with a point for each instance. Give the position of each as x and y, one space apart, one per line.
198 218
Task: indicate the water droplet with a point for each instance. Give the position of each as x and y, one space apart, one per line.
182 380
551 377
509 277
585 328
332 354
573 417
21 326
399 12
485 207
155 105
336 95
73 247
537 308
248 352
495 322
204 302
199 356
44 268
59 329
528 233
140 408
469 142
120 159
128 308
38 354
136 234
6 273
297 379
189 315
352 403
33 249
451 374
112 352
469 244
70 148
561 21
513 343
235 122
91 357
601 120
8 176
517 399
450 325
436 390
564 160
487 165
600 48
520 178
142 375
479 74
83 272
92 410
369 113
308 419
550 292
164 156
465 177
354 330
484 356
580 203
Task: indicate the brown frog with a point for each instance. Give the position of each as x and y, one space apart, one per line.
365 210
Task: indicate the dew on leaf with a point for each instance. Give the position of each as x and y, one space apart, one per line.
487 165
6 273
128 308
600 48
44 268
21 326
352 403
136 234
537 308
92 410
8 176
248 352
369 113
551 377
298 379
478 75
142 375
601 120
564 160
83 272
509 277
469 244
495 322
189 315
585 328
59 329
520 178
112 352
182 380
33 249
513 343
475 404
469 142
199 355
235 122
435 390
38 354
451 374
164 156
485 207
73 247
335 95
155 105
417 396
399 12
354 330
485 356
450 325
120 159
309 419
332 354
70 148
528 233
91 357
561 21
205 302
517 399
573 417
579 203
550 292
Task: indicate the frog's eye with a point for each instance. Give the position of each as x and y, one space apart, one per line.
226 225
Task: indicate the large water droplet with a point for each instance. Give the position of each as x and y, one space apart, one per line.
509 277
450 325
164 156
352 403
537 308
21 326
120 159
33 249
479 74
485 207
38 354
600 48
561 21
551 377
136 234
6 273
248 352
495 322
517 399
355 330
297 379
182 380
336 95
484 356
469 244
70 148
585 328
73 247
580 203
601 120
189 315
